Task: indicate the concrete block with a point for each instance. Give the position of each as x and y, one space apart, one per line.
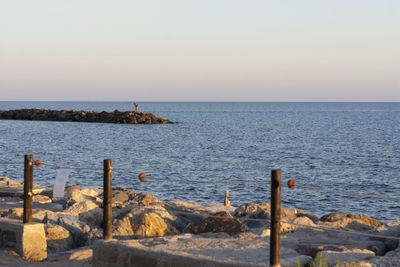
29 240
194 251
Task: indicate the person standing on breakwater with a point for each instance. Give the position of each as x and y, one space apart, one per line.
135 107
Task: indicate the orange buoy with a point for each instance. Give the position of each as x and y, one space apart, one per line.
142 176
38 163
291 184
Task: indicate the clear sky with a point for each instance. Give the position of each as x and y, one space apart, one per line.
205 50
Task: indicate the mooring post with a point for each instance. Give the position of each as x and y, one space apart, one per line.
107 200
28 188
275 238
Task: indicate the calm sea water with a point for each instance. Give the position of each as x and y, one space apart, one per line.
344 156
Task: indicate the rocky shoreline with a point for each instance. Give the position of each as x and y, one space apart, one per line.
73 224
120 117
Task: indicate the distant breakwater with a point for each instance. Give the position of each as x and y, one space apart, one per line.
120 117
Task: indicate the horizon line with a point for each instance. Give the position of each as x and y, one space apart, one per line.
211 101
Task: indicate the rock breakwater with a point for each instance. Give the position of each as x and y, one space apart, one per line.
121 117
146 223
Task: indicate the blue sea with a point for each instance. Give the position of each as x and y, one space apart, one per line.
344 156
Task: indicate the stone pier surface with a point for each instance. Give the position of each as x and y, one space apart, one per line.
121 117
192 250
29 240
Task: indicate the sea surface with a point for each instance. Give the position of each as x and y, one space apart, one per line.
344 156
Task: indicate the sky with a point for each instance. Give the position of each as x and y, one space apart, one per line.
207 50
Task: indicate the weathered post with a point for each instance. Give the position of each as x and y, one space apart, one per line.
227 203
28 188
107 200
275 238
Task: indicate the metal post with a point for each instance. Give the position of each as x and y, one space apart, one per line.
107 200
28 187
275 238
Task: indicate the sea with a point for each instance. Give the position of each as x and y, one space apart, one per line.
345 157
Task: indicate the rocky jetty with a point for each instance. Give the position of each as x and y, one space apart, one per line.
122 117
229 236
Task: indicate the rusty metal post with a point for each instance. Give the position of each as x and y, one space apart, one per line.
28 188
275 238
107 200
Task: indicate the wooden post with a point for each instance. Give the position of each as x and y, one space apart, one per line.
275 238
107 200
28 187
227 203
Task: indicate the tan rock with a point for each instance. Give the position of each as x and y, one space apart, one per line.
146 199
81 207
41 199
122 229
352 221
340 257
76 194
15 213
58 238
151 225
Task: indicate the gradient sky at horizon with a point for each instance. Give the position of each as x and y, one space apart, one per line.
208 50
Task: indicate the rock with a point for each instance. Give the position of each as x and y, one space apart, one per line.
220 222
310 241
140 223
84 254
120 196
186 212
394 253
11 188
93 217
76 194
146 199
48 206
58 238
352 221
303 221
151 225
41 199
15 213
340 257
82 207
78 229
391 259
263 211
122 229
45 216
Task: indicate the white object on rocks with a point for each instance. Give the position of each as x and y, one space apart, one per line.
59 184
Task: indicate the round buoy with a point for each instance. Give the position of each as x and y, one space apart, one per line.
142 176
291 184
38 163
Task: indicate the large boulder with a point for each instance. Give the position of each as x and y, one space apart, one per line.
82 207
333 258
58 238
141 223
219 222
76 194
352 221
310 241
262 213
